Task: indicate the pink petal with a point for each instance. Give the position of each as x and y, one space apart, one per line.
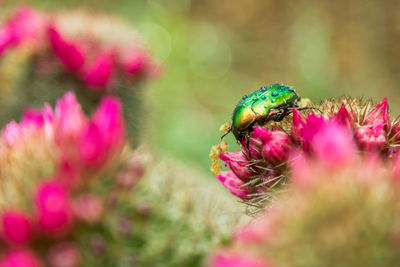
230 181
20 258
99 74
17 227
53 208
70 54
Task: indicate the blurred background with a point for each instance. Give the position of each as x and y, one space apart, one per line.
214 52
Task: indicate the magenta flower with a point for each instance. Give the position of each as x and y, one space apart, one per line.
230 181
275 144
33 117
25 24
20 258
371 138
313 126
12 133
99 74
70 53
16 227
234 259
104 135
343 117
379 115
53 208
334 145
334 132
297 130
135 63
70 121
239 164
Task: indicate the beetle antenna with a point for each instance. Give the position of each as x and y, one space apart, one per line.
227 132
307 108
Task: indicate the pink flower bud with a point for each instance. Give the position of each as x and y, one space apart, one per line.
17 227
99 74
135 63
371 138
275 144
20 258
70 54
380 114
344 118
313 126
333 145
33 117
69 119
64 255
53 208
12 133
298 125
26 23
105 134
87 207
230 181
234 259
238 163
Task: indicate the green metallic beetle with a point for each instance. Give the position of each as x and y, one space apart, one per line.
270 103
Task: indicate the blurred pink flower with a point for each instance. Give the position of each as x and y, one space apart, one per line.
333 145
25 24
105 133
33 117
11 133
230 181
234 259
70 121
53 208
238 163
99 74
313 125
70 53
135 63
16 227
20 258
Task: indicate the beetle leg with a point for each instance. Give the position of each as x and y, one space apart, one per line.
248 143
279 115
225 134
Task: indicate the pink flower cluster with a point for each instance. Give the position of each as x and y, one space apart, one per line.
326 158
84 147
263 164
96 64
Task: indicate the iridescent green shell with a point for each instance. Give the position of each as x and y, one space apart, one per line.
258 107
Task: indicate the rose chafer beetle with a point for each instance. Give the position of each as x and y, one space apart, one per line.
270 103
